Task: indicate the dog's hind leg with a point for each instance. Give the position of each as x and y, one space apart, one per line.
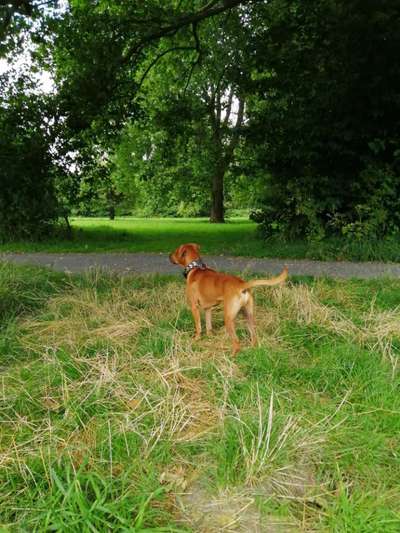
231 309
248 310
208 321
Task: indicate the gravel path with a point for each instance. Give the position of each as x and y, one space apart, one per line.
127 263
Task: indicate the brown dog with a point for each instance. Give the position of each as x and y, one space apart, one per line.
207 288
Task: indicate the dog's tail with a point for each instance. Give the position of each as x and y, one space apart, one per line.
272 281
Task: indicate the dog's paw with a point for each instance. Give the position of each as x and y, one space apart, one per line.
235 348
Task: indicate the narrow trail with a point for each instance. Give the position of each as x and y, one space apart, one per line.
151 263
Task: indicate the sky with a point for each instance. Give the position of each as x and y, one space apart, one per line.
22 63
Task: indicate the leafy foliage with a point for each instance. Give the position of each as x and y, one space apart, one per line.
28 204
178 107
326 119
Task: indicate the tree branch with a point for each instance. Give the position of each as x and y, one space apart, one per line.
153 63
196 40
240 115
210 10
199 55
210 102
218 109
235 133
228 108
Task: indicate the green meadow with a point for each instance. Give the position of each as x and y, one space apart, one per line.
238 237
114 419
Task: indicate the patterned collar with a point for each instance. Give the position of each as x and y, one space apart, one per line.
197 263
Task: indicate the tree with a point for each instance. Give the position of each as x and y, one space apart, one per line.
192 117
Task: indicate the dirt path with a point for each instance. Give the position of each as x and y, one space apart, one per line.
125 263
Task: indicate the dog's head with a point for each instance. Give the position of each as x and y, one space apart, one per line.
185 254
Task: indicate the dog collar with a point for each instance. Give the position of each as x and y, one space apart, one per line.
197 263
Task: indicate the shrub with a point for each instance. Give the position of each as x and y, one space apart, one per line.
369 210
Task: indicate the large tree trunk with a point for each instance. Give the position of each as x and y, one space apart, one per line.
217 196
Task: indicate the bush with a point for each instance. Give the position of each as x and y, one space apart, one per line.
369 210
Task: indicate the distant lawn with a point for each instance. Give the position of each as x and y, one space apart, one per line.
238 236
128 234
114 419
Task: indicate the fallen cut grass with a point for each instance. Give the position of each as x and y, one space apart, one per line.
114 419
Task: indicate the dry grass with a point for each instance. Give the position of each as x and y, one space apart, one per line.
81 318
375 330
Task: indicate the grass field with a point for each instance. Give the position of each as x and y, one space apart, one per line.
113 419
237 237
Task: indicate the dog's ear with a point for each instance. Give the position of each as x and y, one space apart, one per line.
182 250
190 247
195 246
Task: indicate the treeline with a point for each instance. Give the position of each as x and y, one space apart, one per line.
288 108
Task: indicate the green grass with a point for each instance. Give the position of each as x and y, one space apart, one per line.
114 419
237 237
